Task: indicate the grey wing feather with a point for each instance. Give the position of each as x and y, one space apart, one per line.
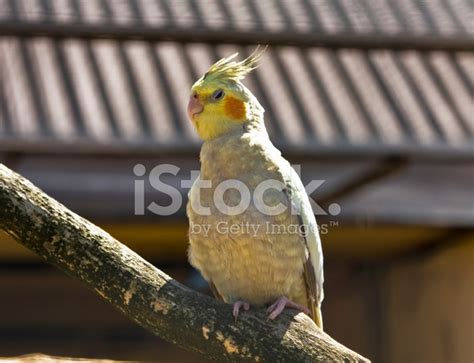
313 267
214 291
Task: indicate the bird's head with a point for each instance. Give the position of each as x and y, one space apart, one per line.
219 102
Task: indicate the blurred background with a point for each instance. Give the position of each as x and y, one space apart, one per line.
375 97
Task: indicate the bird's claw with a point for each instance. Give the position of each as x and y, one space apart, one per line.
237 306
281 303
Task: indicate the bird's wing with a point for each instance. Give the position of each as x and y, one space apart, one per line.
313 266
214 291
314 284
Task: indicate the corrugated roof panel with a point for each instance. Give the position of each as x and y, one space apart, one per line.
152 92
180 13
371 96
259 86
201 57
402 94
53 92
312 102
298 15
466 63
111 63
330 21
278 94
344 74
176 71
152 12
355 13
254 83
461 96
211 12
31 9
133 91
92 11
91 106
136 90
272 124
462 11
411 16
441 18
225 14
120 11
382 16
241 14
5 11
403 16
444 117
355 128
267 14
63 10
202 16
449 97
291 84
17 89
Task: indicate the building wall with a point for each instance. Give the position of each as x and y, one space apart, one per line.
418 308
430 307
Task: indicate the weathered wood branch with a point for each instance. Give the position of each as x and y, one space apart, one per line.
148 296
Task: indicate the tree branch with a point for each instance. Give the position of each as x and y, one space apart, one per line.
148 296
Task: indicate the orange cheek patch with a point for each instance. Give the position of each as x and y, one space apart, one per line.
234 108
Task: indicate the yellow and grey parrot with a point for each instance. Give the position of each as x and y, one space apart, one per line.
264 250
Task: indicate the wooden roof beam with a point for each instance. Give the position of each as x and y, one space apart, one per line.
233 36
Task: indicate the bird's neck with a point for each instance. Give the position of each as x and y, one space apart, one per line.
253 125
230 144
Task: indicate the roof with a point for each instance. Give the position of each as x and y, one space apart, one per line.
110 92
405 21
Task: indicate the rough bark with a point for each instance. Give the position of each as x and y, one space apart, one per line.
148 296
42 358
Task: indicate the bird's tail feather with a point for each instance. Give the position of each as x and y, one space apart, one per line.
317 316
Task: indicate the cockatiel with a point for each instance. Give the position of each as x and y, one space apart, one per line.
266 253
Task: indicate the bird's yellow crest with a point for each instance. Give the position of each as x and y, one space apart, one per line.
226 69
219 101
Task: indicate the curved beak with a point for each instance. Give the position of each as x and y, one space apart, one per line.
195 106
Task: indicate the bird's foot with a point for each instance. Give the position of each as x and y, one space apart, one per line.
281 303
237 306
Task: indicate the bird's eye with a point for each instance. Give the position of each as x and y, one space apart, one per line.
218 95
